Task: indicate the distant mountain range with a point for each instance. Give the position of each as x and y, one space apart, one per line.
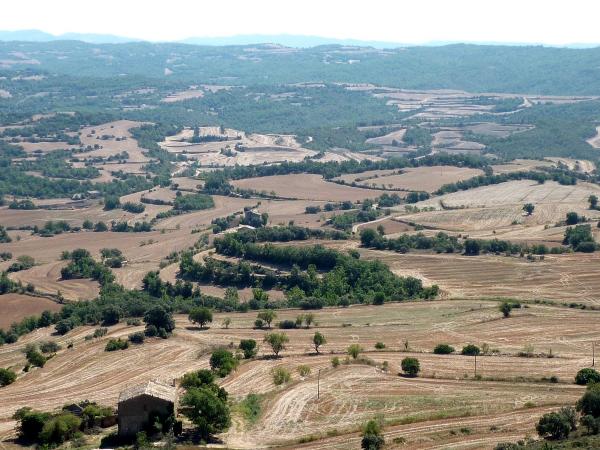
287 40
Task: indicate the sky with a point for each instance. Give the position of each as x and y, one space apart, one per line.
550 22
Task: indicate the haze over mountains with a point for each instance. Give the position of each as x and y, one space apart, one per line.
288 40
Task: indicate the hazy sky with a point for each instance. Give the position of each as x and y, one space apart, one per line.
404 21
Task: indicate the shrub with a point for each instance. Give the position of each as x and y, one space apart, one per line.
379 345
34 357
553 425
59 429
111 315
49 347
137 338
197 379
223 362
470 350
505 308
248 347
160 318
372 439
443 349
287 324
335 362
304 370
64 326
589 403
281 375
591 423
134 208
116 344
587 376
354 350
410 366
7 377
30 423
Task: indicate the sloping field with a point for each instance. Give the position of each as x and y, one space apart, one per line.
111 146
595 141
443 399
183 95
428 179
15 307
306 187
502 218
143 252
520 165
578 165
388 139
564 278
516 192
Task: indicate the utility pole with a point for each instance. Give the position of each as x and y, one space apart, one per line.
318 384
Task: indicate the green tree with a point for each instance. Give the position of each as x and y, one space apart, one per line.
572 218
7 377
267 316
160 318
277 342
111 202
209 413
318 340
372 438
589 403
472 247
223 362
354 350
587 376
528 208
505 308
593 201
410 366
201 316
553 425
60 429
470 350
111 315
248 347
443 349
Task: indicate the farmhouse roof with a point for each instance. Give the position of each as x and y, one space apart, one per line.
151 388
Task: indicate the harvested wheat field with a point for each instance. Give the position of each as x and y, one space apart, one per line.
110 146
423 410
502 218
428 179
306 187
564 278
183 95
516 192
16 307
521 165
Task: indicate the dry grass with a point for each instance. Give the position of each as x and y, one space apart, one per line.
306 187
428 179
16 307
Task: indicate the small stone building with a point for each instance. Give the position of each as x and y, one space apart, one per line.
139 404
